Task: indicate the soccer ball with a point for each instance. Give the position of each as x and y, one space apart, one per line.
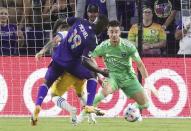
132 113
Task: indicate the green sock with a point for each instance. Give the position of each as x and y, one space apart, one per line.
98 98
141 106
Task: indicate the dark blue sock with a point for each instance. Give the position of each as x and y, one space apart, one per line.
91 90
42 92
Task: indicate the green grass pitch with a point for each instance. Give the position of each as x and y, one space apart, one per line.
103 124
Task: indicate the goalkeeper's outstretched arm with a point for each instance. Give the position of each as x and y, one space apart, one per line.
144 74
142 69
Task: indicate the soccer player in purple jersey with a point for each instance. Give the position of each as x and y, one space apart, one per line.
71 55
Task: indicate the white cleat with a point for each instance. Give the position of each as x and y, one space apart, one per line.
140 119
74 116
81 116
91 118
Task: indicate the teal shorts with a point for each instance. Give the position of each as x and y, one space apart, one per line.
128 86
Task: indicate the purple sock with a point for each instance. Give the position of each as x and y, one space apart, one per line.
91 90
42 92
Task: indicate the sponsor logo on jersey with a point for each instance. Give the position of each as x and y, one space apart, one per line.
123 54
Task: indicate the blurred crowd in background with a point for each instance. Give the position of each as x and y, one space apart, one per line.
25 25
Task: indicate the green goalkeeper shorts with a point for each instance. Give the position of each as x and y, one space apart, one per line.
128 86
131 87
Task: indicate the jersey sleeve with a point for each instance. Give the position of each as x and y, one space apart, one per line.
71 20
134 53
99 50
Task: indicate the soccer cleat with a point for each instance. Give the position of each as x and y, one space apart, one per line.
99 112
92 109
33 121
91 118
81 116
140 118
73 116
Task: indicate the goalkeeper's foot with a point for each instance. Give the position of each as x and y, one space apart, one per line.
34 117
140 118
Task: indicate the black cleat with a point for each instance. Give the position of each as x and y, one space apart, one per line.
33 121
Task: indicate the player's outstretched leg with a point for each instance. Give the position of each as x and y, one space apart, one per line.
81 116
34 116
91 90
42 92
63 104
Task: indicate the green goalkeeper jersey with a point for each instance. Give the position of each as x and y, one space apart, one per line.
118 59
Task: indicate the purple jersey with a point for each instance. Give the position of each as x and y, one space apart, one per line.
79 41
8 39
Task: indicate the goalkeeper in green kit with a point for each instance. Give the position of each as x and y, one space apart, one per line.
118 54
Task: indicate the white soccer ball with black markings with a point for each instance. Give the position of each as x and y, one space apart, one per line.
132 113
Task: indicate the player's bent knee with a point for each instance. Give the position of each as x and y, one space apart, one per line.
53 95
55 99
105 93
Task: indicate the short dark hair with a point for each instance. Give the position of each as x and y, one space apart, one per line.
101 23
93 8
114 23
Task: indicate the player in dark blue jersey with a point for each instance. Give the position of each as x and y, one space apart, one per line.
71 55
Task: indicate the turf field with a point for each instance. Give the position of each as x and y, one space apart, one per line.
103 124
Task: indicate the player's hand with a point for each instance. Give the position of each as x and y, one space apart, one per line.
38 55
100 78
105 72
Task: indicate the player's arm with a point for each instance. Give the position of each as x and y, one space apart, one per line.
140 65
144 73
88 62
49 46
148 85
142 69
